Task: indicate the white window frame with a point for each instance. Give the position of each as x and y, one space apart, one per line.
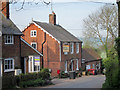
34 43
77 68
11 39
9 70
66 67
71 48
32 66
77 48
32 33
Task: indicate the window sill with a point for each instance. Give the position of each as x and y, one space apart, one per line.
11 70
9 43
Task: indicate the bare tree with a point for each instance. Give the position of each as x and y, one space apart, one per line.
101 27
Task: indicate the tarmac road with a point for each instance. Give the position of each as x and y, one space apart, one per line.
82 82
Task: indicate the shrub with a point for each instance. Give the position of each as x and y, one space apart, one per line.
111 66
8 81
32 83
33 79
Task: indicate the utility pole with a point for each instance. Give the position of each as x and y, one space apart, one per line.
118 3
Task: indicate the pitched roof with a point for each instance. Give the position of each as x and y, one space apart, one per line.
8 27
58 32
90 55
27 49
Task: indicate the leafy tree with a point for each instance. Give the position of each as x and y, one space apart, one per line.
100 28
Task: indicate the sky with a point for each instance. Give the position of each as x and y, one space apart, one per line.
70 13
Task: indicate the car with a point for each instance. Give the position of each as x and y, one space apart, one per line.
92 71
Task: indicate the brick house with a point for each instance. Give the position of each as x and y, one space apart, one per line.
61 50
91 59
14 50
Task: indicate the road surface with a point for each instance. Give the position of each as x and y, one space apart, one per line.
82 82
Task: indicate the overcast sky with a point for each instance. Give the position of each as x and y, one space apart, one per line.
70 13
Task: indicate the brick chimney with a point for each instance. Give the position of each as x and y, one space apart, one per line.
4 7
52 18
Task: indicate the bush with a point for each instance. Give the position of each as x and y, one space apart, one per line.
111 66
8 81
33 79
32 83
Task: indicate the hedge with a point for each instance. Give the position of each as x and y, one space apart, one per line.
28 80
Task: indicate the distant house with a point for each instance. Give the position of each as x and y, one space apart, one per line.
91 59
15 52
61 50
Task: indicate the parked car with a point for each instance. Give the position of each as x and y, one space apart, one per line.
92 71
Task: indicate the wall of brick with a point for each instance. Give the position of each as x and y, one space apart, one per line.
12 51
50 49
70 57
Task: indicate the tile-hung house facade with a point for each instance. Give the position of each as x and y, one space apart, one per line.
61 50
91 59
16 53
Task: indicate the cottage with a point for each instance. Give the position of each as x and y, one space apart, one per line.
91 59
61 49
15 52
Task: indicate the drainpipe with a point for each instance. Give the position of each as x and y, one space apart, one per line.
42 49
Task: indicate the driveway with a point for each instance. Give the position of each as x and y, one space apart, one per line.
82 82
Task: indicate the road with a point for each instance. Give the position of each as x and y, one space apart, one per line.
82 82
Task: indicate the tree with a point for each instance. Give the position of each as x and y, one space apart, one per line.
101 27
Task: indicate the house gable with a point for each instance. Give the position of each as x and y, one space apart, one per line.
42 30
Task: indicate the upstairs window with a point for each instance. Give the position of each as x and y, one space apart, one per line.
71 48
77 47
34 45
9 39
33 33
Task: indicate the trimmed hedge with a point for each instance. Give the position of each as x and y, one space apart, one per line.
28 80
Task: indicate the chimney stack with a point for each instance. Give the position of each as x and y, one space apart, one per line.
52 18
4 7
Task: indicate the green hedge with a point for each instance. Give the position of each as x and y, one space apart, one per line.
28 80
33 79
32 83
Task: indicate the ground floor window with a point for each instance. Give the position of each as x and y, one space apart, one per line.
34 64
65 66
71 65
77 68
8 64
88 67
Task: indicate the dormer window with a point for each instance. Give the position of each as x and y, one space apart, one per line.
9 39
33 33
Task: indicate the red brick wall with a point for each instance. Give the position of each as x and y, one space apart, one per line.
73 57
12 51
50 49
